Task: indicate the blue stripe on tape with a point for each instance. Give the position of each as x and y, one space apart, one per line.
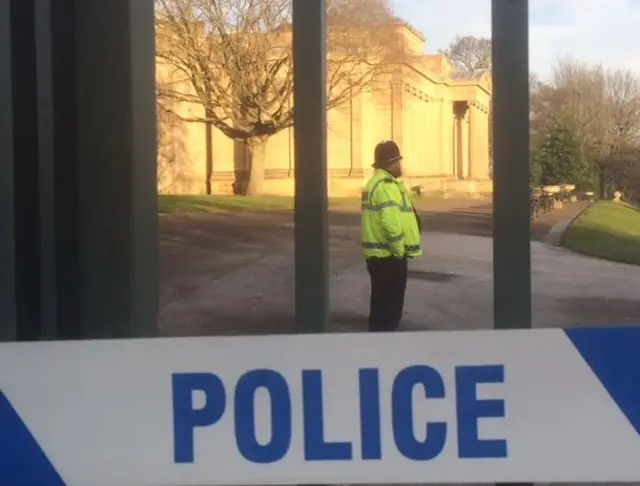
613 354
22 461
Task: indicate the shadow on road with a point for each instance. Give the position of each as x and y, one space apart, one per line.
599 311
276 322
431 276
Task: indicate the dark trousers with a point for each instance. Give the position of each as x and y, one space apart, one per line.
388 285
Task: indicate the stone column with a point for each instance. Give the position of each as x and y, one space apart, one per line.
407 129
461 149
474 132
452 124
484 143
359 165
486 127
447 122
435 122
479 142
466 144
426 153
397 112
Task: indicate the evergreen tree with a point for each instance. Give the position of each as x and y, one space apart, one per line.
559 156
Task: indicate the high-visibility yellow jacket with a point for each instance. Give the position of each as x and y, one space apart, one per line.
389 224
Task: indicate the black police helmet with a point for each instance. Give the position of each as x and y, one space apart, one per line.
386 153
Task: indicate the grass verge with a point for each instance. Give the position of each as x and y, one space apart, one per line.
171 204
607 230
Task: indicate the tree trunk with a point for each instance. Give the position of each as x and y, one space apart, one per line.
256 150
208 137
602 180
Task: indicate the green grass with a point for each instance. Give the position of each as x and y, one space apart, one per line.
607 230
170 204
191 204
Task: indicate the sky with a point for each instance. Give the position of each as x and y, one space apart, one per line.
593 31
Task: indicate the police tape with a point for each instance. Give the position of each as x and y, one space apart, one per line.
483 406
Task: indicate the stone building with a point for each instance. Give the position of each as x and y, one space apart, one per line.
439 118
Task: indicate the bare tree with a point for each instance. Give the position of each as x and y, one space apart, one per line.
622 93
469 53
601 107
233 59
574 97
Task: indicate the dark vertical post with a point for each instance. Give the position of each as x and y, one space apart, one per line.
143 170
310 148
26 170
511 233
58 163
8 324
78 203
96 139
115 94
44 40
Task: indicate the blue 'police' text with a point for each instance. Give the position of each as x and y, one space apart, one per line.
469 410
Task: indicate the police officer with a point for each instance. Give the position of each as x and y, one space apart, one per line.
390 236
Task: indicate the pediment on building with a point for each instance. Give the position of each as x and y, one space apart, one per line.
479 77
486 82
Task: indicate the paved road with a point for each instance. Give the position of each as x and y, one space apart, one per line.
250 289
234 275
